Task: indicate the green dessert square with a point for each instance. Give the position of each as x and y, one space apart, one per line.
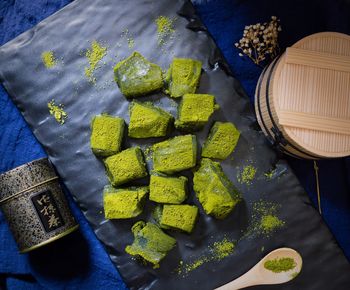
137 76
106 135
182 217
147 121
175 154
183 77
123 203
194 111
165 189
150 243
221 141
125 166
214 190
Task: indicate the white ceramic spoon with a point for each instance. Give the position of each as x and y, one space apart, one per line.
259 275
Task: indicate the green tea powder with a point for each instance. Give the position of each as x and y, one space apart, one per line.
279 265
48 59
94 56
165 29
57 111
247 175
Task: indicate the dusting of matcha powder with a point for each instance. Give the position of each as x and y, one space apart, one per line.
265 220
279 265
247 175
165 29
188 267
48 59
223 249
130 40
215 252
57 111
269 223
269 175
94 55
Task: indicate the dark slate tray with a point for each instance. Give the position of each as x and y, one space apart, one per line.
32 86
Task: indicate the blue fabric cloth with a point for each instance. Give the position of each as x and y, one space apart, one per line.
79 260
226 19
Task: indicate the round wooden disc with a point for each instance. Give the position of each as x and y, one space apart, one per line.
320 93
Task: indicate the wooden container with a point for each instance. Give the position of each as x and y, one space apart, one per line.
302 99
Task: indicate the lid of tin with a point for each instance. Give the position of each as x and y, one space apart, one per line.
25 177
311 90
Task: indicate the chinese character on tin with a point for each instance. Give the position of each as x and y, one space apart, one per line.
48 210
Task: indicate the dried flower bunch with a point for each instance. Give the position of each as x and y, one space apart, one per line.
260 41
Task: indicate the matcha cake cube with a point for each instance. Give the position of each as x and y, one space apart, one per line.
165 189
147 121
123 203
106 135
125 166
221 141
137 76
214 190
150 243
194 111
179 216
175 154
183 77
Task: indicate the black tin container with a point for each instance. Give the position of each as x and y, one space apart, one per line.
34 205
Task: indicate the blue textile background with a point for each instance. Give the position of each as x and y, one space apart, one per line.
79 260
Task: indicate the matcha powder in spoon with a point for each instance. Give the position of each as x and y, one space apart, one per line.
279 265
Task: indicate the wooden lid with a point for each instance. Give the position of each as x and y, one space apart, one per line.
311 93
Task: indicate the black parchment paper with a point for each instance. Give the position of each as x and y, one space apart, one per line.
69 33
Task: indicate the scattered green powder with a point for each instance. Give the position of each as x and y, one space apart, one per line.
197 264
223 249
263 207
262 249
57 111
264 219
279 265
269 223
128 37
270 174
247 175
194 265
214 252
131 42
94 55
165 29
48 59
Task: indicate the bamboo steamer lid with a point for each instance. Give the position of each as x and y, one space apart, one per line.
303 98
